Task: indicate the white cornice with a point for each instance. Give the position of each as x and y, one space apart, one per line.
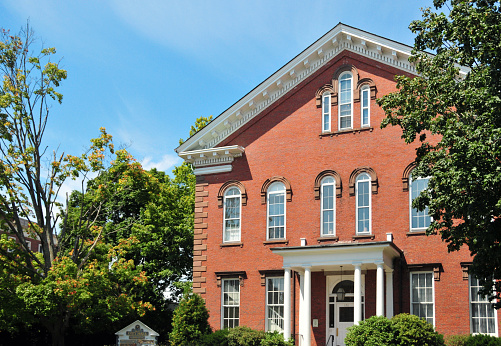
340 38
213 156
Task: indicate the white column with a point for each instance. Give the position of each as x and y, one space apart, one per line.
287 303
357 309
302 322
380 289
389 293
307 306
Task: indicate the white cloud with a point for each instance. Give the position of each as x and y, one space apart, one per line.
167 162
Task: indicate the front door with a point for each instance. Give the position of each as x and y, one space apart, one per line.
340 312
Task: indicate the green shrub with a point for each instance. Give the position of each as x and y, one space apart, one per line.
401 330
190 322
456 340
219 338
482 340
245 336
416 331
374 331
275 339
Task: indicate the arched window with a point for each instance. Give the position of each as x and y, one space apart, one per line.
363 193
232 212
276 211
328 206
365 106
326 112
419 220
345 101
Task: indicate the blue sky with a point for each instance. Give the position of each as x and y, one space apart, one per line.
147 69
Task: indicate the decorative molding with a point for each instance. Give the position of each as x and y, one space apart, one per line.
435 267
213 170
320 92
465 267
268 273
406 175
357 172
212 156
327 238
236 244
227 185
241 275
326 173
358 89
363 236
343 68
268 182
276 241
277 85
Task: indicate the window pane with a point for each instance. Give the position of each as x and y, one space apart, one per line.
231 303
422 295
275 304
483 318
419 219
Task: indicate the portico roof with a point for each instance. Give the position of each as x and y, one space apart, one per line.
329 257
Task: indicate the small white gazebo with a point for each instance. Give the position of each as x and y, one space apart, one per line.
135 334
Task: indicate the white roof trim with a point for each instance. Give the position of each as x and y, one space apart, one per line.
212 156
339 39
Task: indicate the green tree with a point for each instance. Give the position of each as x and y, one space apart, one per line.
190 322
456 119
79 277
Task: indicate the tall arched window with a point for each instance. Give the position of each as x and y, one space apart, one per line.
364 106
276 211
328 208
419 220
326 112
232 211
345 101
363 193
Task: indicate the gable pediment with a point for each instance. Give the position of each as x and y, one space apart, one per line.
341 38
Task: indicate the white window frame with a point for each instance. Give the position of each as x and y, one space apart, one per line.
365 90
411 209
40 248
269 305
326 101
223 306
28 244
227 197
341 103
423 302
480 300
323 184
363 178
268 217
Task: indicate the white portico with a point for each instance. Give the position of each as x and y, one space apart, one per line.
351 258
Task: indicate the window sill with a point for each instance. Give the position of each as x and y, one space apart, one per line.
415 233
354 131
363 236
231 244
327 238
277 241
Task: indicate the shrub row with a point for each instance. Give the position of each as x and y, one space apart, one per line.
472 340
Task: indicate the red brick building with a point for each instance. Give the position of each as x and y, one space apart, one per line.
303 216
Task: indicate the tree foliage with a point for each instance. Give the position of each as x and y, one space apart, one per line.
79 278
190 322
455 116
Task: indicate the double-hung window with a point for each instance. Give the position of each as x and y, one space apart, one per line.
232 210
326 112
422 296
482 314
274 304
345 101
230 303
363 215
365 105
420 220
276 211
328 200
